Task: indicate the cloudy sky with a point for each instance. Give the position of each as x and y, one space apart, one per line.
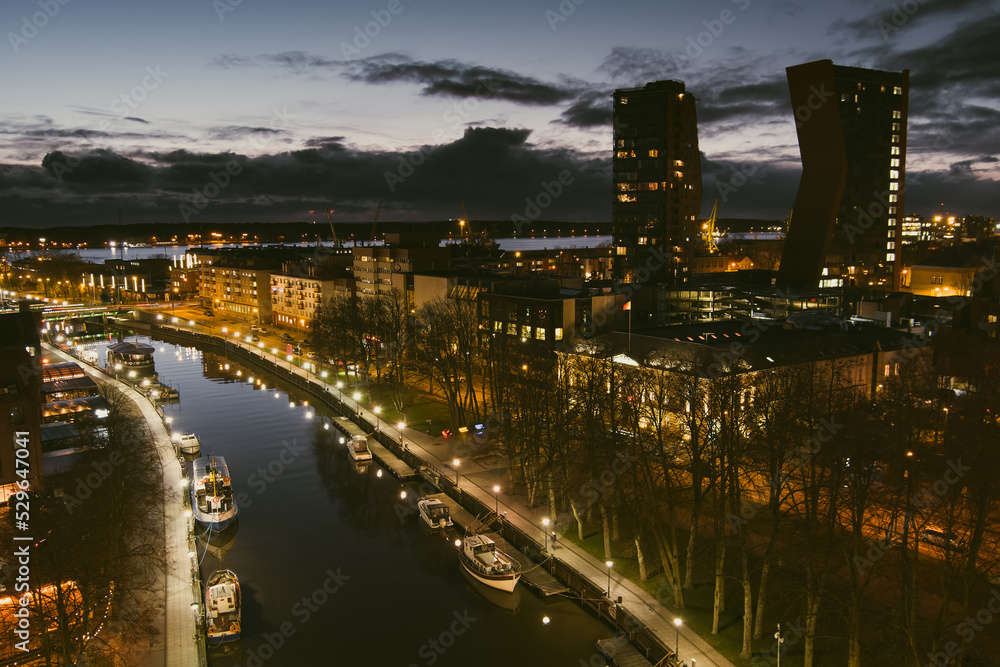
243 110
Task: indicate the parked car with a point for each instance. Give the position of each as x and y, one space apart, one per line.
262 330
312 355
943 539
285 337
297 350
305 342
254 338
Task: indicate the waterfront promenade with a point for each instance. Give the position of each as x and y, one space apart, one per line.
178 644
477 481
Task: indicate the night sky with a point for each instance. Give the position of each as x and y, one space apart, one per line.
277 110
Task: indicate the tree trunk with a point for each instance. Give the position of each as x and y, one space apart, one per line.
719 602
606 521
765 569
747 605
814 595
579 520
689 561
643 575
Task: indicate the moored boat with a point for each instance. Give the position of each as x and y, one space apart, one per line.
434 513
187 443
481 558
212 499
222 607
355 439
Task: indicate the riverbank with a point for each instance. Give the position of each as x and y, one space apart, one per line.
649 624
179 644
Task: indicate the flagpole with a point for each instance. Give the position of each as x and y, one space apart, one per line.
630 329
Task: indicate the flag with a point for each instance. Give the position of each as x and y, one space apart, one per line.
627 306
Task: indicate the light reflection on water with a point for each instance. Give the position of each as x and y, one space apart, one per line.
309 516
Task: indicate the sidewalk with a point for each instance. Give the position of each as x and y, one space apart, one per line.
178 643
432 450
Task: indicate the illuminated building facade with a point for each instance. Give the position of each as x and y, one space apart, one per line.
851 125
657 181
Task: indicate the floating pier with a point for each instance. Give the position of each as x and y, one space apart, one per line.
620 652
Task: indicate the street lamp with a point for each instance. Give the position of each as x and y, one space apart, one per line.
777 635
496 499
399 427
377 410
609 563
545 533
677 637
454 464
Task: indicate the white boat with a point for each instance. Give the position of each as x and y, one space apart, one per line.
212 499
187 443
358 448
434 513
222 607
481 558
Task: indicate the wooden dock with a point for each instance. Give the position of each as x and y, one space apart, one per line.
620 652
533 574
393 463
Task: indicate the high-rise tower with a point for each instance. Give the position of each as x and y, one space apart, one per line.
657 180
845 228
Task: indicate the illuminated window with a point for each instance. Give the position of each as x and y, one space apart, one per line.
540 333
622 154
654 153
893 173
626 198
895 138
512 328
897 90
893 185
890 257
892 199
558 334
895 127
891 245
894 162
897 114
895 150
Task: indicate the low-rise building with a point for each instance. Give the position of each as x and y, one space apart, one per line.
20 400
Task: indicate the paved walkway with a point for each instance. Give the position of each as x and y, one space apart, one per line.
178 644
478 482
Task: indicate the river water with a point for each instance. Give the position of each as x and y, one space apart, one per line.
333 567
98 255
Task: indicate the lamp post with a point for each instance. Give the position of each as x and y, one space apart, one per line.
454 464
496 499
357 406
777 635
677 637
399 427
545 533
609 563
377 410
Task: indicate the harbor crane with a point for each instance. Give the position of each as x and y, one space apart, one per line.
378 214
333 234
708 231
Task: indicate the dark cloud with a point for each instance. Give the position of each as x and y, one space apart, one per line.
638 66
494 170
136 119
889 18
592 109
329 143
442 78
232 132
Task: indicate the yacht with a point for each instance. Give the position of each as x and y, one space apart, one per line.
188 443
488 565
434 513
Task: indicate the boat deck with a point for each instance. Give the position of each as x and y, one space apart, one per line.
622 653
393 463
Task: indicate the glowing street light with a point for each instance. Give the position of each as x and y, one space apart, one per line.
496 499
677 636
377 410
454 464
609 563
